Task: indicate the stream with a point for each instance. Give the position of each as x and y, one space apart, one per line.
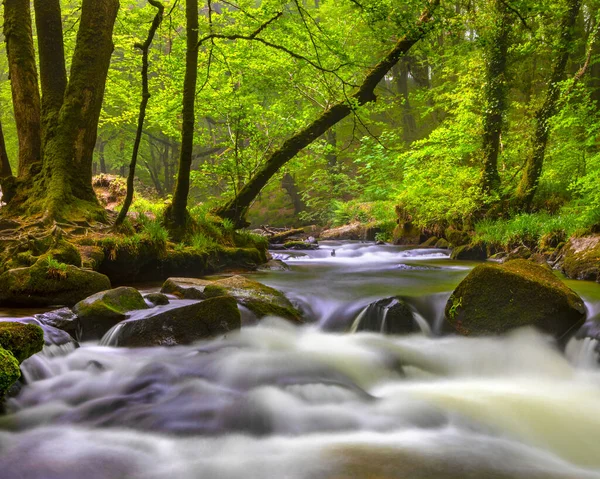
278 401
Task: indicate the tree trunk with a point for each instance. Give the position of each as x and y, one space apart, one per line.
237 208
533 168
5 169
178 212
409 125
144 103
69 151
101 157
495 92
53 73
289 184
24 84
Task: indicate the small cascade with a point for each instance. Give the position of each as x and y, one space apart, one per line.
111 338
584 353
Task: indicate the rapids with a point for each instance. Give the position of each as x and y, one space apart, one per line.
276 401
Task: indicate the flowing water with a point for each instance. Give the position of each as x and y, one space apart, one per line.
276 401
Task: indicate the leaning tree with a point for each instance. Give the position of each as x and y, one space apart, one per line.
56 129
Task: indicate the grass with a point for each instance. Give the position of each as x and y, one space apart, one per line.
56 269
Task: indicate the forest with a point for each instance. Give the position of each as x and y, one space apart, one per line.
307 239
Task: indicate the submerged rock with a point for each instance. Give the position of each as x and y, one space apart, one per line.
44 285
261 300
388 316
177 324
494 299
100 312
580 258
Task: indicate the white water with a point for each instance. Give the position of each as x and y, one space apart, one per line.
275 401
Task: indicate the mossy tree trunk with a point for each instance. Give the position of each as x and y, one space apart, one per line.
495 95
176 215
53 72
5 169
409 125
145 48
533 168
57 180
24 84
237 208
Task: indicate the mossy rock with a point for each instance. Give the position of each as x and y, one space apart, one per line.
442 244
64 252
39 285
101 311
260 299
185 288
474 252
430 243
407 234
493 299
300 245
388 316
580 258
179 324
9 371
22 340
157 299
457 237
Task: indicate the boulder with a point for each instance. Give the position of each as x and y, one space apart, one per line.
101 311
442 244
157 299
21 340
457 237
520 252
181 322
300 245
580 258
9 371
431 242
44 285
352 231
185 288
259 299
493 299
387 316
62 318
274 265
473 252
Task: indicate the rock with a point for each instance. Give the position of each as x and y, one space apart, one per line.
100 312
52 336
21 340
521 252
9 371
580 258
442 244
185 288
300 245
388 316
177 324
43 285
494 299
91 256
407 234
430 243
457 237
260 299
274 265
157 299
352 231
476 252
62 318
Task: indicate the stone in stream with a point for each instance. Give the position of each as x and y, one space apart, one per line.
100 312
388 316
494 299
18 342
44 285
157 299
178 323
580 258
274 265
62 318
474 252
261 300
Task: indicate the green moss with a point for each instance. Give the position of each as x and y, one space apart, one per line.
493 299
476 252
22 340
457 237
109 303
442 243
581 258
430 242
297 245
9 371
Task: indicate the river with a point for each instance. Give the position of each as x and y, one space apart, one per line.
277 401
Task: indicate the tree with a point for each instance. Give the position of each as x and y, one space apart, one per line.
533 167
495 94
237 208
57 183
5 169
144 47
